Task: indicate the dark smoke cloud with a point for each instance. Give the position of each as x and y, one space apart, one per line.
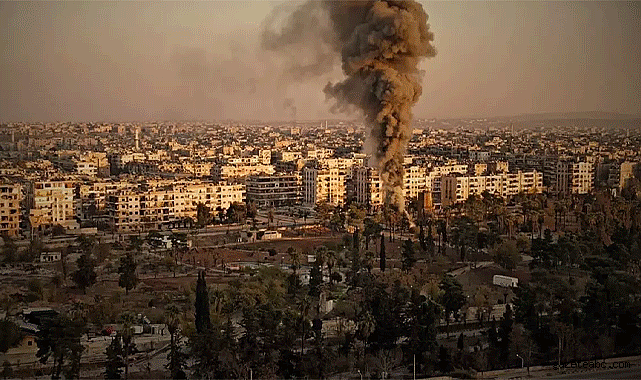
380 44
304 38
290 106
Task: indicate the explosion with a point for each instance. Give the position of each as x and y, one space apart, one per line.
381 44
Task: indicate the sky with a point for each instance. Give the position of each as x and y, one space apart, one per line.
201 60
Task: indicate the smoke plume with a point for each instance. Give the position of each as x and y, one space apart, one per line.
380 43
288 104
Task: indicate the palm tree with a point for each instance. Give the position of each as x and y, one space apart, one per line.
321 256
331 260
294 258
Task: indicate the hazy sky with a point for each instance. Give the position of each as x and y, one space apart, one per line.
104 61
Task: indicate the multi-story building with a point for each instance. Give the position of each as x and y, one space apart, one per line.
569 177
158 207
10 196
273 190
457 188
414 181
240 168
324 185
86 168
367 186
198 169
327 179
51 203
620 173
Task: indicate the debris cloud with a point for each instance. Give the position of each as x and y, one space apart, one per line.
380 44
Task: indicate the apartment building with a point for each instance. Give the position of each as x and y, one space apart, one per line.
435 174
620 173
155 208
324 184
86 168
276 190
241 167
198 169
10 196
414 181
327 179
51 203
456 188
569 177
367 186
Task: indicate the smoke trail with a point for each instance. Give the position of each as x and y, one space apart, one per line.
288 104
381 43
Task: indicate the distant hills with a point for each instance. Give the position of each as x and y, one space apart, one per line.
596 115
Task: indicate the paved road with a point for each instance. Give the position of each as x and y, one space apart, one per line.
625 373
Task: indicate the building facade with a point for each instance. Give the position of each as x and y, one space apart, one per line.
10 196
273 190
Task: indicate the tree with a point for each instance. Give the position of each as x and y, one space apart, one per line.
505 330
175 357
59 339
409 257
323 211
355 241
86 243
127 269
9 250
114 363
128 346
452 298
294 258
237 212
10 335
85 275
423 319
203 215
382 254
444 360
506 254
315 279
7 372
270 217
465 235
203 320
370 231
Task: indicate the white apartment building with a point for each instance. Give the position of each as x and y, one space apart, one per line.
51 203
456 188
155 208
416 180
326 184
86 168
10 196
241 167
326 179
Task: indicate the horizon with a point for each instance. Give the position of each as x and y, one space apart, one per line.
202 61
563 115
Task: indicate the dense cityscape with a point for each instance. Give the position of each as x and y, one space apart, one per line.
320 189
523 225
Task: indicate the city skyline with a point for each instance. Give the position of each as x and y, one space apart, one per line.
200 61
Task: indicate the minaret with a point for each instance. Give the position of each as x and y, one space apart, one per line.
137 138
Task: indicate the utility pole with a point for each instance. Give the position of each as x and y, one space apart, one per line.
414 368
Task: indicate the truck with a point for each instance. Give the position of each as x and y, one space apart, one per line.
505 281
